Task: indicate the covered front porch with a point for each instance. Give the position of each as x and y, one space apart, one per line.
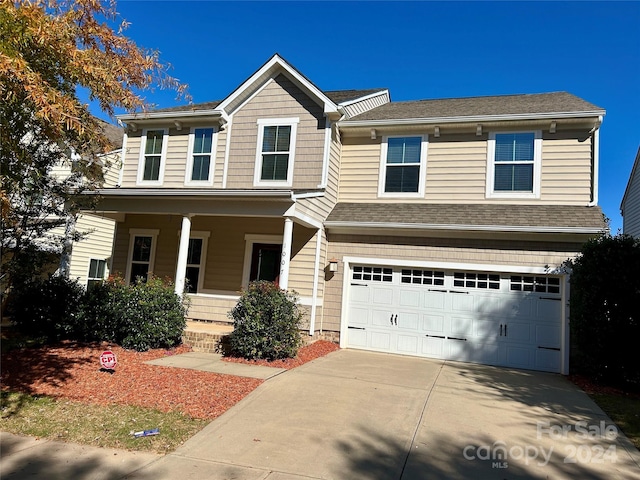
214 251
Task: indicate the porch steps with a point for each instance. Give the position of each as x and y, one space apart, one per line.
206 336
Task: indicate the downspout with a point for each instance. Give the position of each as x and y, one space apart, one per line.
227 147
314 298
123 154
595 135
326 156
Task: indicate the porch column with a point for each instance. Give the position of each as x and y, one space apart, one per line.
287 237
183 250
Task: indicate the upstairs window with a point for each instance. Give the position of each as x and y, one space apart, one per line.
152 156
514 164
402 167
276 150
201 143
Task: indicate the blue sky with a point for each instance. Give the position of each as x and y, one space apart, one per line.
418 50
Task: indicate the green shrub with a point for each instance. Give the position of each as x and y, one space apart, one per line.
140 316
605 310
266 323
47 308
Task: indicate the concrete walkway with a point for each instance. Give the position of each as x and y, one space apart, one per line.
361 415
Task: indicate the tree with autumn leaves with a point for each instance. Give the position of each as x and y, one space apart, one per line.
49 51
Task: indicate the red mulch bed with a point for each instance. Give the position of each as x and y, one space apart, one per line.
592 387
72 371
305 354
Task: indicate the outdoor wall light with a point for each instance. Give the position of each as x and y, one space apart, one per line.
333 265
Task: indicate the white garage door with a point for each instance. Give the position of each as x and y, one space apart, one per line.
502 319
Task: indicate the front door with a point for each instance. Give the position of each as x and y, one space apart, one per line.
265 262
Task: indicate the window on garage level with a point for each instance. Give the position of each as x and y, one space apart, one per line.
476 280
535 284
374 274
422 277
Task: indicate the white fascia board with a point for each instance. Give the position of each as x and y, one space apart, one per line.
302 218
365 97
276 60
169 115
477 228
478 267
297 196
185 192
472 119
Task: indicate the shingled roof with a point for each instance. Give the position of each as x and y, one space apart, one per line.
543 217
481 106
340 96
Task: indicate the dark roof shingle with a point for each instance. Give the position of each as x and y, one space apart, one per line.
480 215
480 106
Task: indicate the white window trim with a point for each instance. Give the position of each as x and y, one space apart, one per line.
204 236
537 167
163 158
142 232
188 182
250 239
384 146
106 270
263 122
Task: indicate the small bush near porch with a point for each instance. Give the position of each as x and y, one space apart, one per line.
266 323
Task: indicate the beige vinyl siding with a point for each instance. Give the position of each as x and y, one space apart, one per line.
303 257
176 161
210 308
96 245
218 168
492 251
631 206
333 175
566 168
359 169
280 98
131 159
112 162
457 168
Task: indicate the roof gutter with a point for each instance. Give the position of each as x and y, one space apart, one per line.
169 115
471 118
181 192
476 228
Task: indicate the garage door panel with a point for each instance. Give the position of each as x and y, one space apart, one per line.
382 295
433 347
518 332
460 325
380 340
548 335
433 324
408 321
461 302
359 316
547 360
434 300
407 344
357 338
518 356
548 309
360 294
409 298
518 306
486 330
382 318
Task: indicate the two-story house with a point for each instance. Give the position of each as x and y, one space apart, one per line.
433 228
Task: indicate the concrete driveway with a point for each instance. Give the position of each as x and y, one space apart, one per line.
362 415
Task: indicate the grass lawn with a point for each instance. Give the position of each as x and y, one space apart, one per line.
109 426
622 409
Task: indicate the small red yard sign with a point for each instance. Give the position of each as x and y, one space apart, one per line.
108 360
